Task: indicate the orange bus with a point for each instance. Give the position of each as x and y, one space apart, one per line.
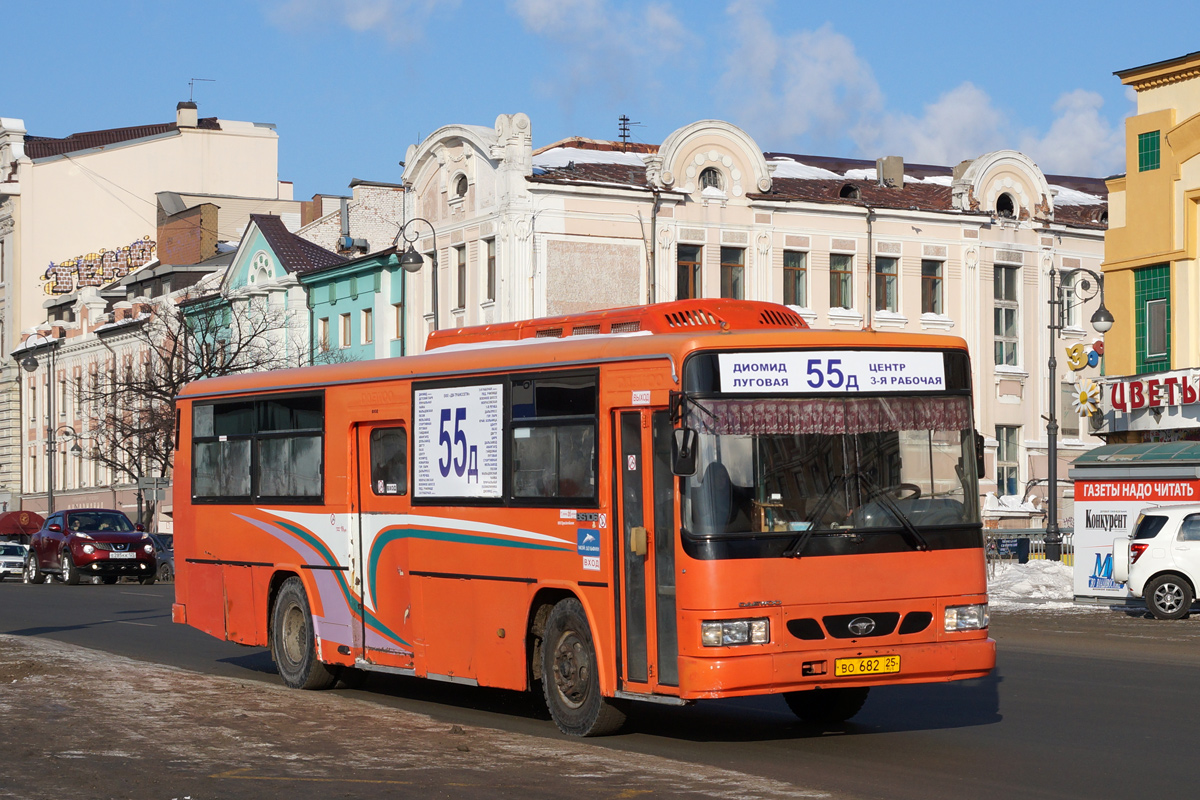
699 499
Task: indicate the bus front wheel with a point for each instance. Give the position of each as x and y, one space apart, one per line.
293 644
570 680
827 706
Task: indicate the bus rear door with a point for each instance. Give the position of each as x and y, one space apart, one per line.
645 522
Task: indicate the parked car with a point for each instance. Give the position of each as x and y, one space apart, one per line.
12 559
164 550
90 542
1160 562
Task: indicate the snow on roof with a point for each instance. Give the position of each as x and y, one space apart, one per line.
1073 197
789 168
560 157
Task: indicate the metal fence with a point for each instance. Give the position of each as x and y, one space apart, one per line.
1018 544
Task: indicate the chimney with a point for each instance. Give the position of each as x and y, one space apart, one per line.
186 115
961 169
890 171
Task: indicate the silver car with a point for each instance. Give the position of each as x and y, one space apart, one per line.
12 560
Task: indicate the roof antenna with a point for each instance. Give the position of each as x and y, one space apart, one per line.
624 125
192 87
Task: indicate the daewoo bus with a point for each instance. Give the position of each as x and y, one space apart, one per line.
689 500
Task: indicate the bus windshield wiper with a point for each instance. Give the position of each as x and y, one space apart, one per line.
797 545
913 535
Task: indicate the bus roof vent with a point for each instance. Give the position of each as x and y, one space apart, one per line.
782 317
549 333
585 330
625 327
691 318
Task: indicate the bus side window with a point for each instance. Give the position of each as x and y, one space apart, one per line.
389 461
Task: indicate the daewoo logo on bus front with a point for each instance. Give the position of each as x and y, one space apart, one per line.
1105 521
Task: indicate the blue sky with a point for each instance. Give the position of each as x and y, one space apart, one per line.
351 83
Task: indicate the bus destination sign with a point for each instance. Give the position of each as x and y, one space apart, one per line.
457 441
832 372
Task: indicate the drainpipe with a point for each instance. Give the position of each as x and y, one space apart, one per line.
870 266
654 246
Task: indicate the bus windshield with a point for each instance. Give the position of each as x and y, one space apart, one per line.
859 464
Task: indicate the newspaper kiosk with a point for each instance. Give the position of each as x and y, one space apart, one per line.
1113 484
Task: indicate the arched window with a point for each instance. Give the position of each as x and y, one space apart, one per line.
710 178
460 186
1005 207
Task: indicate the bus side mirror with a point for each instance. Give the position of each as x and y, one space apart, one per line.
683 454
979 472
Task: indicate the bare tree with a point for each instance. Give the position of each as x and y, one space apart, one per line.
128 394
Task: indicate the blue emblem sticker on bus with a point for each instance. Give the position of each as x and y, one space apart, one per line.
589 542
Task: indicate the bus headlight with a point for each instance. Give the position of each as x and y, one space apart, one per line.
727 632
966 618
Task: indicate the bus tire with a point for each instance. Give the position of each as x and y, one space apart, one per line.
293 643
570 679
827 706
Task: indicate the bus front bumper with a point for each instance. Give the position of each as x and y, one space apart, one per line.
772 673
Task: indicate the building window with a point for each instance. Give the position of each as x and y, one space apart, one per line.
345 340
886 278
1005 284
323 334
1152 292
397 321
460 275
33 473
1008 471
1005 207
795 278
33 402
841 281
491 269
368 327
733 261
1070 301
1069 416
1149 156
710 178
931 287
460 187
688 260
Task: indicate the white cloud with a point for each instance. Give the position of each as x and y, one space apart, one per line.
960 124
806 84
600 44
397 21
1080 141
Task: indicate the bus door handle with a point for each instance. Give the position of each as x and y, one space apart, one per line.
637 540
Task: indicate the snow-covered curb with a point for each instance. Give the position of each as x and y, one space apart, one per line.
1044 585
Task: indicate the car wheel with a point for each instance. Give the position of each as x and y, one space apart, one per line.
69 574
827 706
570 678
1169 597
293 643
164 573
33 574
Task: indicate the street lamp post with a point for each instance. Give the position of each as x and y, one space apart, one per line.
1102 321
30 364
412 261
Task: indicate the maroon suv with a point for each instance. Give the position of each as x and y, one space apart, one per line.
90 542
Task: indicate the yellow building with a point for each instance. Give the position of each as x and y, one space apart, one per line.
1152 276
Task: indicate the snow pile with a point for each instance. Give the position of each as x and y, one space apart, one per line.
790 168
1073 197
1044 584
559 157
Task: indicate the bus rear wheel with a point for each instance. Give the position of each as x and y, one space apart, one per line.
293 643
827 706
570 679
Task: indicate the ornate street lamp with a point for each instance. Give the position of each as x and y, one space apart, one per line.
412 261
30 364
1102 322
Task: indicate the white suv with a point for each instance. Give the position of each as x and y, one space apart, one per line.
1161 561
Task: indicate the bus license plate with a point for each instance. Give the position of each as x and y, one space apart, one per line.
122 555
877 665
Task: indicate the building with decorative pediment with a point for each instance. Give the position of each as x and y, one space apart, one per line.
966 250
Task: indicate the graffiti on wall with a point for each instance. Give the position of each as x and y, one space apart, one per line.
97 269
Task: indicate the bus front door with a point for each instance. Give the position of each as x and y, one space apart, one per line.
646 547
379 571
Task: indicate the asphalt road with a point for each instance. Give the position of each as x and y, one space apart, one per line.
1091 704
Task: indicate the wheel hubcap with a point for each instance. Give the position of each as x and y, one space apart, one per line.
1168 598
571 669
294 635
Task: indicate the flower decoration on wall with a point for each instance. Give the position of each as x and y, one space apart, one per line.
1087 398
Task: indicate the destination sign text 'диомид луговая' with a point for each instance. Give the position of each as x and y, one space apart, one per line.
832 371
